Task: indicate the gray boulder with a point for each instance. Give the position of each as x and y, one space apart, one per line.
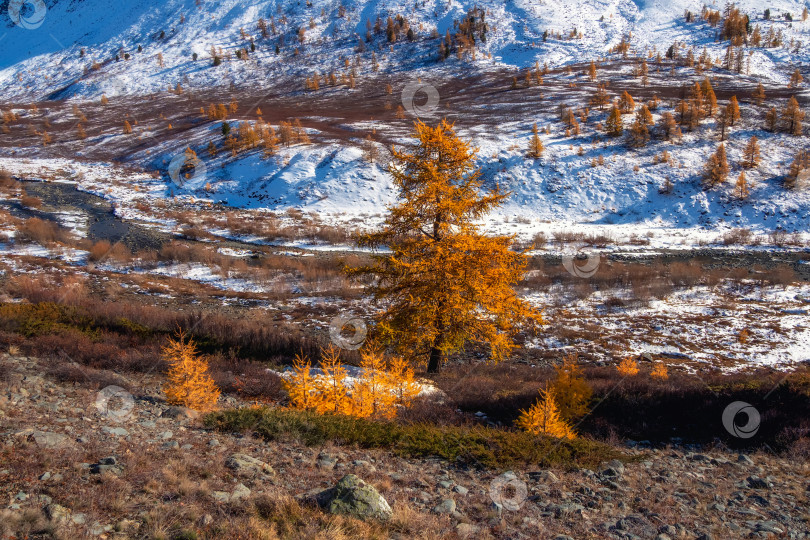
353 497
245 465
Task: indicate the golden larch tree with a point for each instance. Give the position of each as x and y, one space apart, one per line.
127 127
741 187
189 383
795 79
759 95
733 110
444 282
543 418
626 103
751 153
792 117
716 169
572 393
659 371
535 144
627 367
613 124
301 386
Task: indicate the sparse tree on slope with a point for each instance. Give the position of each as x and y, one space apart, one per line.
189 383
751 153
716 170
613 124
535 144
792 117
543 418
444 283
759 95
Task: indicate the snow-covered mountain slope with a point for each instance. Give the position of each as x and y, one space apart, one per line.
133 51
45 59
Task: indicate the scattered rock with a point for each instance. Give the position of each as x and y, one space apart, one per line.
57 513
447 506
47 439
245 465
326 461
354 497
466 530
108 464
179 413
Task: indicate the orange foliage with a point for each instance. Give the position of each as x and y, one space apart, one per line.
628 367
378 394
544 418
189 383
659 371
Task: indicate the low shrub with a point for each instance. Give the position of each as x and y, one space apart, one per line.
486 447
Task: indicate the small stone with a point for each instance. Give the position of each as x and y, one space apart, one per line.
446 484
744 460
466 530
461 490
117 431
57 513
166 435
447 506
45 476
170 445
240 492
245 465
179 413
212 443
45 439
221 496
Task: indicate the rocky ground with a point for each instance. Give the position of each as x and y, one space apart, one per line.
77 462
